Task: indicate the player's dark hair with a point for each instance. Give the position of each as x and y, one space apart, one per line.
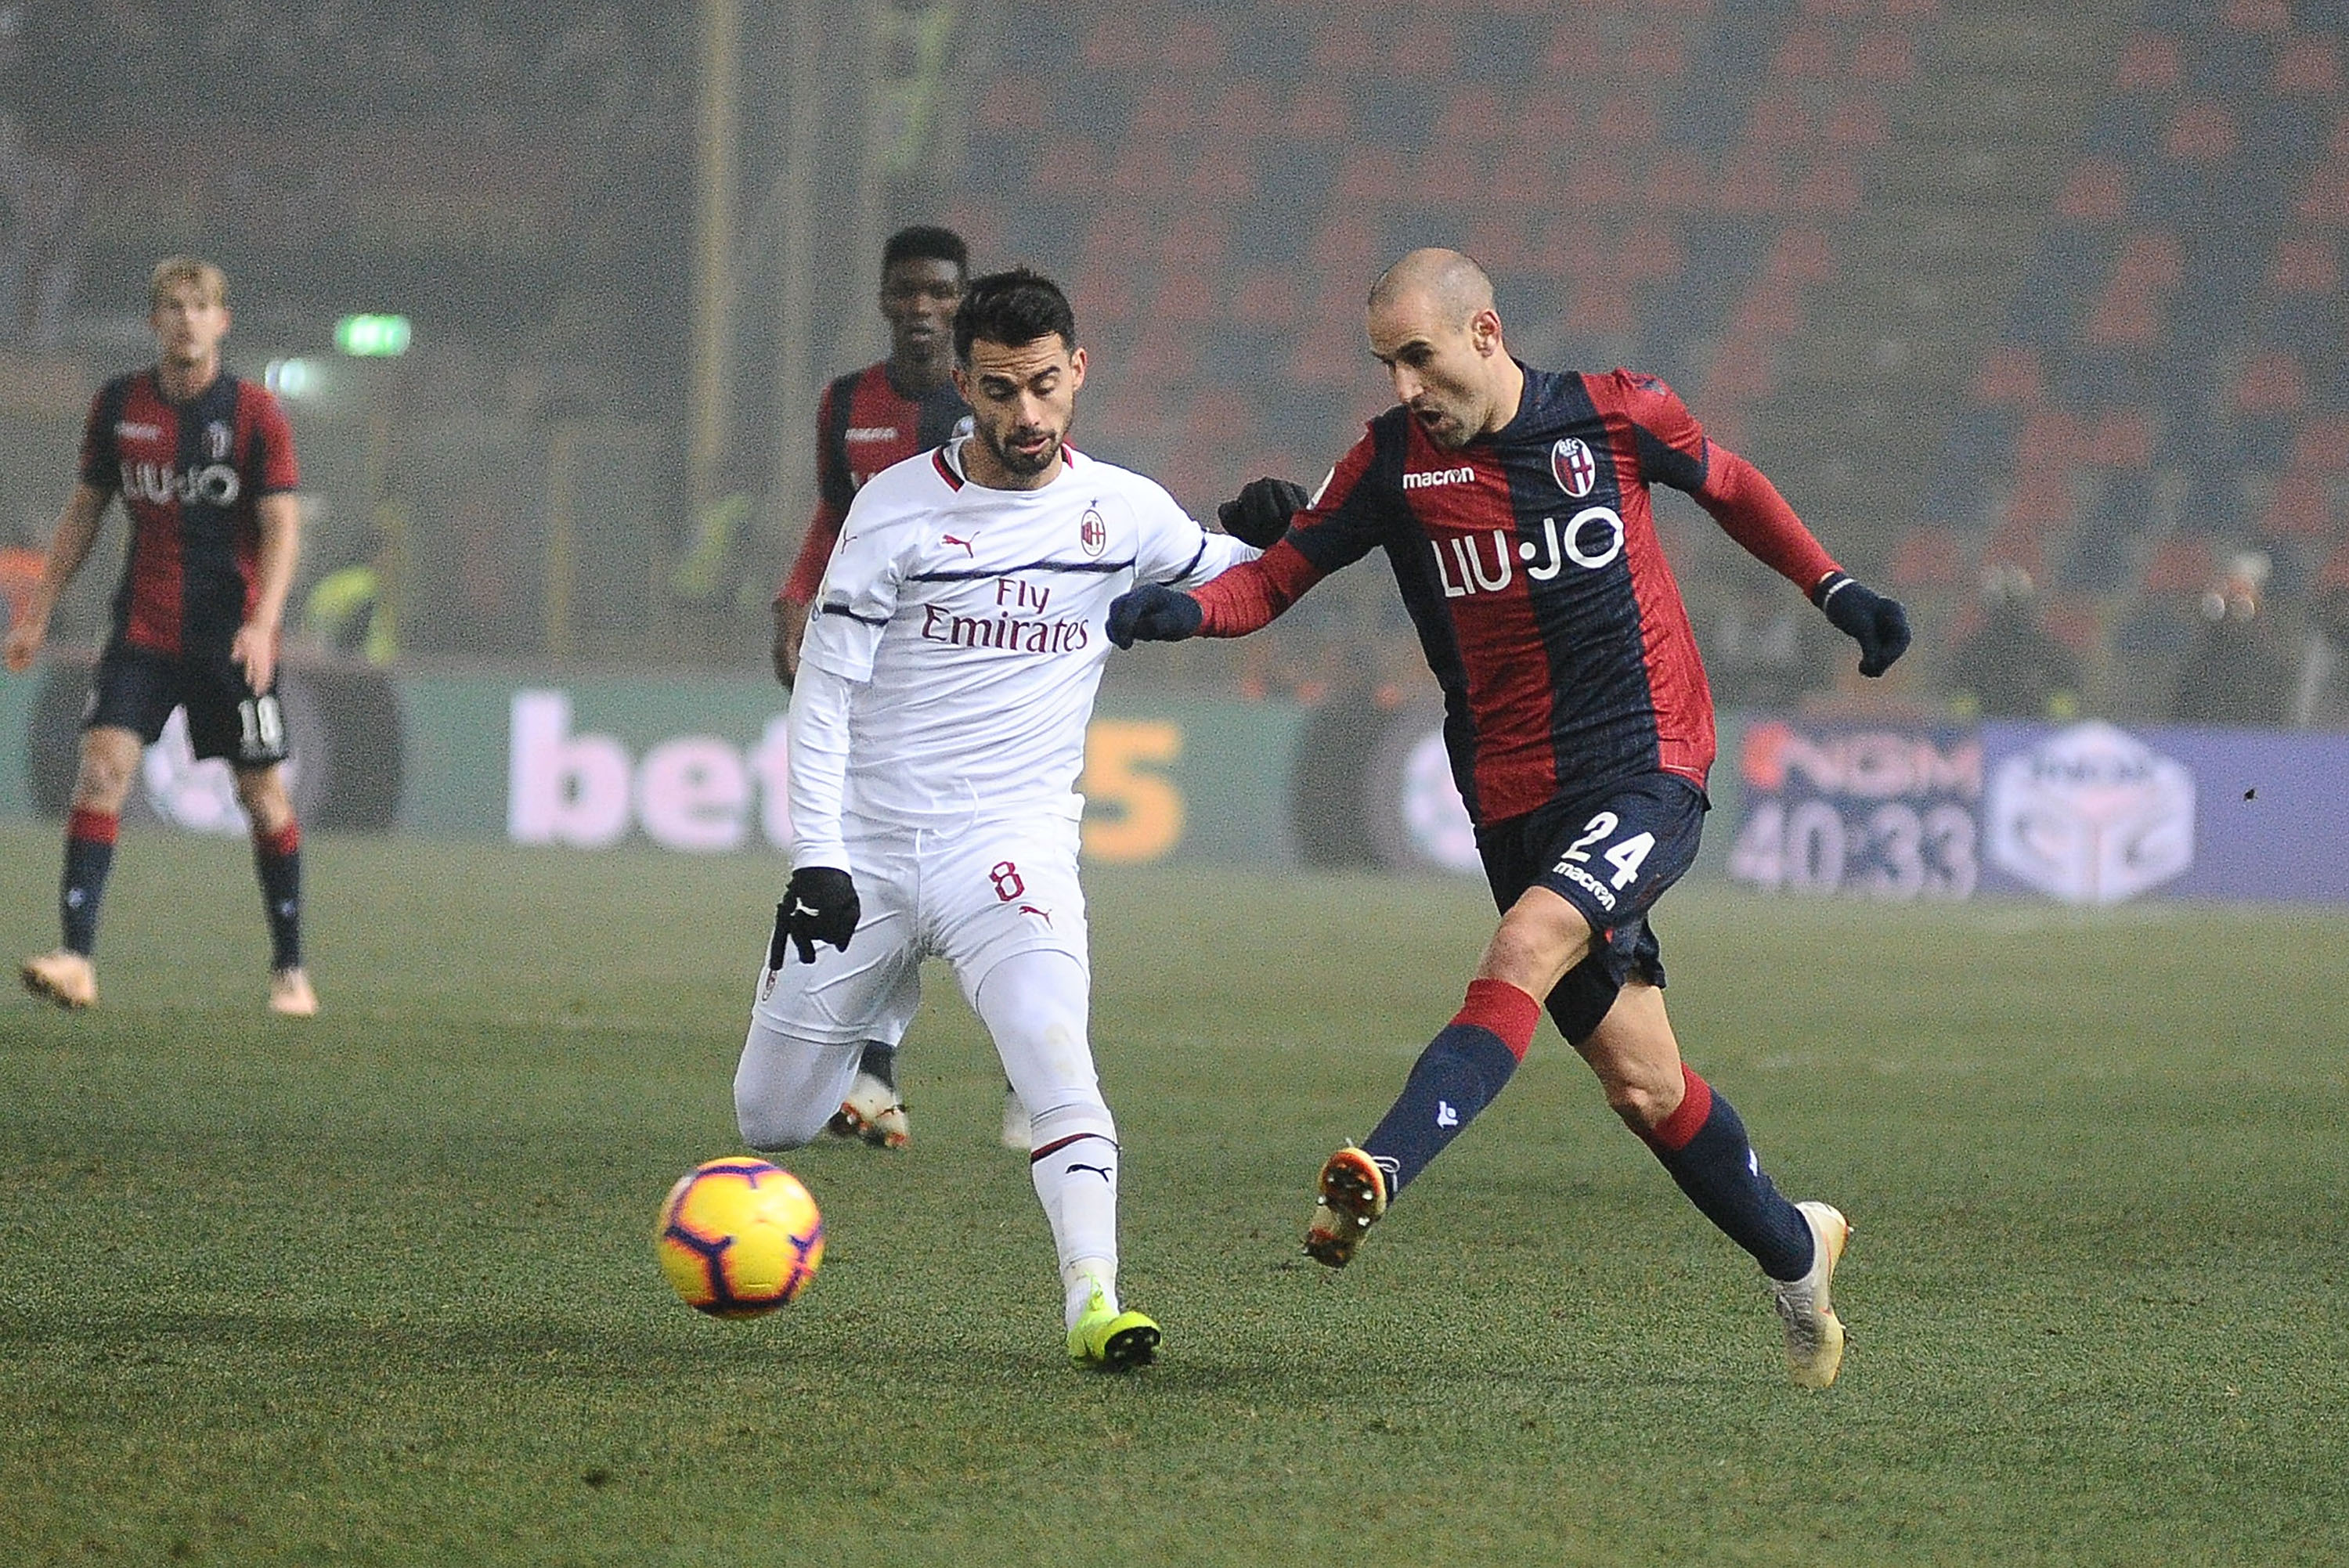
1012 308
927 243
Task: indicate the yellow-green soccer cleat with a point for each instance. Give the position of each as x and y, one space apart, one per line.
1814 1333
1353 1195
1113 1341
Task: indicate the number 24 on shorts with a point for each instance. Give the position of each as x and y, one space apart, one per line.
1625 856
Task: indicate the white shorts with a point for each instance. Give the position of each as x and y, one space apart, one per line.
974 894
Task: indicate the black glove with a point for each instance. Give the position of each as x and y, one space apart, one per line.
1879 625
820 905
1153 613
1260 514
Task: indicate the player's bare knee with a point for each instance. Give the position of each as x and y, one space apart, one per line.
262 792
102 781
1536 941
1643 1103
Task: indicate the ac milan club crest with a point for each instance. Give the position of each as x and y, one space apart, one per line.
1571 464
1092 531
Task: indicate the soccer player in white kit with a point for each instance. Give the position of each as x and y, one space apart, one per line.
937 734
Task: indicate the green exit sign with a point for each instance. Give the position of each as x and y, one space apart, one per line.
372 336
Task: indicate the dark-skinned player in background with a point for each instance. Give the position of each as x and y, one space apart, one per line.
1514 506
866 420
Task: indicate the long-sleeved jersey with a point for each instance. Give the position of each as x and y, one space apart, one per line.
958 637
1529 564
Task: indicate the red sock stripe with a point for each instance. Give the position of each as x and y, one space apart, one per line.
1060 1143
1673 1134
92 827
1501 1007
281 843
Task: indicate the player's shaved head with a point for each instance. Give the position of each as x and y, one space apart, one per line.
1452 282
1432 323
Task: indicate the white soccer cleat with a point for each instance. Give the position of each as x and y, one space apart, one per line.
1814 1333
290 994
872 1113
64 977
1018 1133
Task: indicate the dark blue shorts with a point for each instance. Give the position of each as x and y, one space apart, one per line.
135 690
1611 853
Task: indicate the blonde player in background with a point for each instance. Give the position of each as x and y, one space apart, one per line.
937 731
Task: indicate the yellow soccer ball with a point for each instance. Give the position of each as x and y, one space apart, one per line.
740 1237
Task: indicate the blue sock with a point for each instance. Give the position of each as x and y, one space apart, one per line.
90 856
1703 1145
1459 1074
278 861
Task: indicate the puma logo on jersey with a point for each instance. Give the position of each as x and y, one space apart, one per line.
1102 1171
1031 909
967 550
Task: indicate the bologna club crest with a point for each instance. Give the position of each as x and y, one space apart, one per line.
1571 464
1092 531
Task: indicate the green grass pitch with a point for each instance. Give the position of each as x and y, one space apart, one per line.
380 1288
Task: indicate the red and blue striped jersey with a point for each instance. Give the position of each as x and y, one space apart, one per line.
1530 566
863 424
190 475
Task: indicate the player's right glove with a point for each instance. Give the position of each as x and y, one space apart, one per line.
1879 625
819 905
1153 613
1259 514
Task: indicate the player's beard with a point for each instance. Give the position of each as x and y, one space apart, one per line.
1024 465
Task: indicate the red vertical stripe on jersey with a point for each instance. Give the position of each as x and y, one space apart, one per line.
157 610
1472 526
266 472
1676 684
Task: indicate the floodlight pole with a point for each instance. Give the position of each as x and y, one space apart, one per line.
715 132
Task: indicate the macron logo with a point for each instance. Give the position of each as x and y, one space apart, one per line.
1438 477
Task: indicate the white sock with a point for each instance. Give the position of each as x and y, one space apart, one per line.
1077 1183
1082 1278
1034 1005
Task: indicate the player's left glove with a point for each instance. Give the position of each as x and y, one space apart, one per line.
819 905
1153 613
1879 625
1259 514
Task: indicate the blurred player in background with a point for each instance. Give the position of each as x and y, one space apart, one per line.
204 464
868 419
937 731
1514 506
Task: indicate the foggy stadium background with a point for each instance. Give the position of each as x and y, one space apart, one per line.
2027 283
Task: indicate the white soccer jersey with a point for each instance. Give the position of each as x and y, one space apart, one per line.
970 624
